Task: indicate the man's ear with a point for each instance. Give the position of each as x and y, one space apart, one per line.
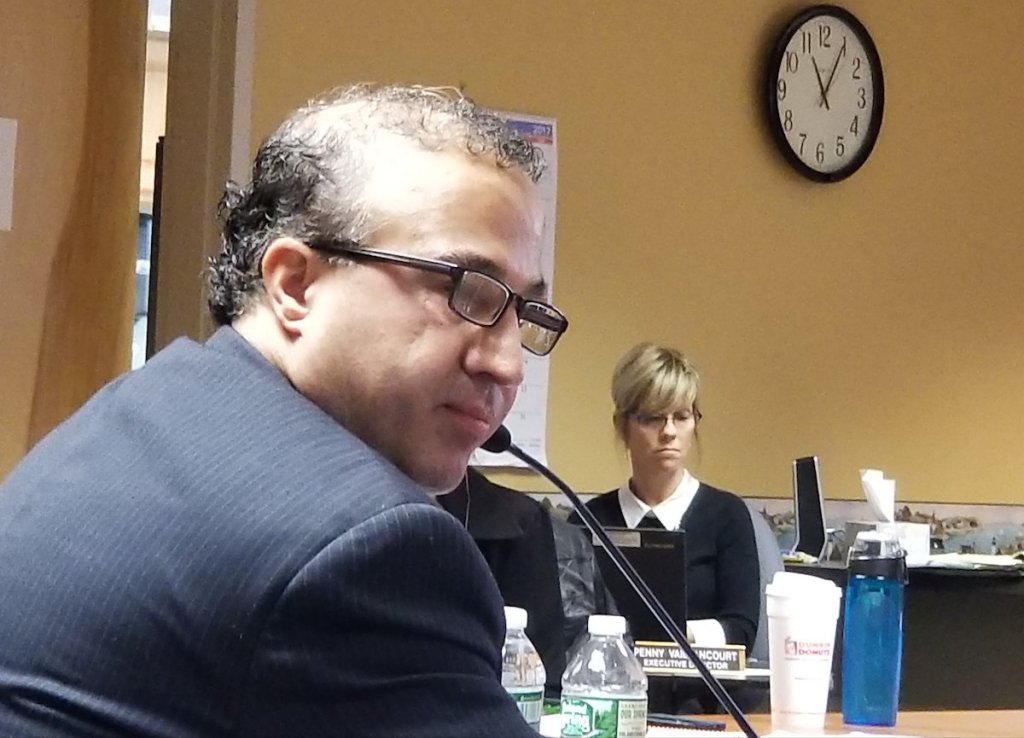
289 267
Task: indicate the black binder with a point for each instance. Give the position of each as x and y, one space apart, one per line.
659 557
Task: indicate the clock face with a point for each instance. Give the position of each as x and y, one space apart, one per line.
825 93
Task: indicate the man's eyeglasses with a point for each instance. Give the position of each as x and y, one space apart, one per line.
474 296
659 421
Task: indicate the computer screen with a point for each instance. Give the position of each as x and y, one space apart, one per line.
810 507
659 557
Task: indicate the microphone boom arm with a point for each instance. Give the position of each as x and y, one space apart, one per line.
642 590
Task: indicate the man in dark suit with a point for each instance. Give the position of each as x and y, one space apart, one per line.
239 538
514 534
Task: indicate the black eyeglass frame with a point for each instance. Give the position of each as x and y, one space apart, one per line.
551 318
660 419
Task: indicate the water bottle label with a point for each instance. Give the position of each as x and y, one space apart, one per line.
530 701
603 717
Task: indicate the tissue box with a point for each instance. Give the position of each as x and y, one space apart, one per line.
914 537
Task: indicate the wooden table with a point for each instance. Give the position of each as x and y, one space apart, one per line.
945 724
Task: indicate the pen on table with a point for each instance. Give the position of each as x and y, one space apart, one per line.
678 721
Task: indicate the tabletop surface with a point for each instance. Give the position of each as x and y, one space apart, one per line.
944 724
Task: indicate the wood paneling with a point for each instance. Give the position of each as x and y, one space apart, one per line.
72 77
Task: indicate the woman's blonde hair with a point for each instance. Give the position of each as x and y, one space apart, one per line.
651 379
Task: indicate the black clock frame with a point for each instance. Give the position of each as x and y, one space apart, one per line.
878 92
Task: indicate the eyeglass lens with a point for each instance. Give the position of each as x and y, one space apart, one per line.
660 420
481 299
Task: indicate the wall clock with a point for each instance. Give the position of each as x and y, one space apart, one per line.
825 93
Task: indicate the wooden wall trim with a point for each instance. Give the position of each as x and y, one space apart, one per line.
86 336
197 160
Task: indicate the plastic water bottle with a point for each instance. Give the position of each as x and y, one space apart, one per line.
522 671
604 690
873 631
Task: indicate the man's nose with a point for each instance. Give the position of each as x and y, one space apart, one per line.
498 352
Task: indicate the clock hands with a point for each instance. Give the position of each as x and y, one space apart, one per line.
821 85
824 87
832 76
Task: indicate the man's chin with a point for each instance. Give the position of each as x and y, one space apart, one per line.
439 478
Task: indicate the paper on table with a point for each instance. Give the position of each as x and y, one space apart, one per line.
665 731
975 561
828 734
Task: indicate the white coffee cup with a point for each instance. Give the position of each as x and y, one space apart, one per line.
802 615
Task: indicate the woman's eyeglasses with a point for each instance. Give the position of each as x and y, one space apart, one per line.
659 421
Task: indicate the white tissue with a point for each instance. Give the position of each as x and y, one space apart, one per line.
881 494
915 538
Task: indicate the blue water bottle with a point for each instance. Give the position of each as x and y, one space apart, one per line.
873 629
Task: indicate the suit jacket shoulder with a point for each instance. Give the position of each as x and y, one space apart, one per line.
195 500
391 627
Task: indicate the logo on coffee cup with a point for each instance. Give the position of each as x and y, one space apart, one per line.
808 649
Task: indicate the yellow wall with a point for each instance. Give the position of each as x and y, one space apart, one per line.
71 74
875 322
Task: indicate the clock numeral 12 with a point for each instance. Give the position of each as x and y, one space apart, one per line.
824 34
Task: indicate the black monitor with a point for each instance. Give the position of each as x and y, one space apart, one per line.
659 557
810 507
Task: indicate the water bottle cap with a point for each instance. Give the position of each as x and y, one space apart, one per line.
876 544
877 554
606 625
515 618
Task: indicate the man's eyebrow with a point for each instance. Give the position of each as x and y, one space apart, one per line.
537 290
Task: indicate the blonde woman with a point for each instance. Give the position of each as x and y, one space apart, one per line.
656 394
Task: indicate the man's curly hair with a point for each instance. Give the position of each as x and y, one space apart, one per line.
308 176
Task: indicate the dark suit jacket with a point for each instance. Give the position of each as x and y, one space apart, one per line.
201 551
513 532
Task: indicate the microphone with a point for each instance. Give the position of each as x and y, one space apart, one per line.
500 441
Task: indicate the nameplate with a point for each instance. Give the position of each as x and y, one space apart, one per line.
658 657
622 538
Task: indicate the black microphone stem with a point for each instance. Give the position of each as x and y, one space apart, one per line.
642 590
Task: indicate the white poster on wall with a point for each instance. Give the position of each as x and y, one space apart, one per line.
528 419
8 139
